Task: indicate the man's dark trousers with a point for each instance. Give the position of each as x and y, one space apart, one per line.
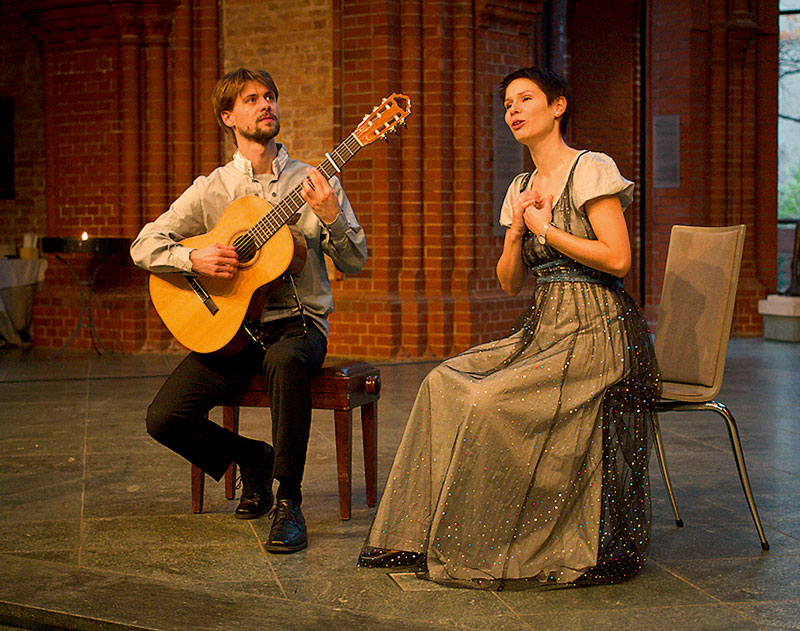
178 416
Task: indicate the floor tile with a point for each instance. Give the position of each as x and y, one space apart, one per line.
681 618
373 591
654 586
775 616
764 578
31 536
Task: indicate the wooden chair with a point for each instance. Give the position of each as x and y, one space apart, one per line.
691 340
340 387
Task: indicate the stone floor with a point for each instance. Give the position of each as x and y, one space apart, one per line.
96 530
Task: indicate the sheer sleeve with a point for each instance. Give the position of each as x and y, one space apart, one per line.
596 174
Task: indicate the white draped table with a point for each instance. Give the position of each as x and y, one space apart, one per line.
18 280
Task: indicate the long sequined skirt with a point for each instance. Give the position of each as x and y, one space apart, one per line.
525 459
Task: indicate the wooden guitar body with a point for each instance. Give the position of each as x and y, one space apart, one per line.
211 327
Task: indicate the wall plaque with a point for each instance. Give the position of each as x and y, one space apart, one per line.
667 151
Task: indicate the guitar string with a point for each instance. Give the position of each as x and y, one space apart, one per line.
294 200
268 225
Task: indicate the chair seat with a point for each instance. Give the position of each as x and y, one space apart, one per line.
689 392
338 386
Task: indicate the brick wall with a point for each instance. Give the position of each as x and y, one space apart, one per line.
293 42
717 69
119 308
134 126
106 125
429 289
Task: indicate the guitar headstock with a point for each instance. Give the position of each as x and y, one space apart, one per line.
385 118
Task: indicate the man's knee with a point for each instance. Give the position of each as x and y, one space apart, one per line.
159 421
277 362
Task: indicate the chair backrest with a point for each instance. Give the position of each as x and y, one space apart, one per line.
697 299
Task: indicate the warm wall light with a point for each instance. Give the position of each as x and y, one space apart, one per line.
84 236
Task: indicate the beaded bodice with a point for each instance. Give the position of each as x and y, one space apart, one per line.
549 264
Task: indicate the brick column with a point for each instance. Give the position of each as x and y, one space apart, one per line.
182 102
605 74
156 114
491 39
81 65
367 51
206 72
413 331
438 166
129 26
740 203
505 39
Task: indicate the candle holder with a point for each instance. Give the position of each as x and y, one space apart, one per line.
100 248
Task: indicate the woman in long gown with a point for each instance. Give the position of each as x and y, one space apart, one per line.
525 459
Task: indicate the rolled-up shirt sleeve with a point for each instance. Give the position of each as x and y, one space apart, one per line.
344 240
157 247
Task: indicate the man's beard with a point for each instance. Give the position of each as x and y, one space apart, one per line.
261 136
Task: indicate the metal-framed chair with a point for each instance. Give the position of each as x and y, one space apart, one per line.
691 340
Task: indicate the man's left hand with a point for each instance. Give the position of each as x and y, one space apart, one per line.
319 195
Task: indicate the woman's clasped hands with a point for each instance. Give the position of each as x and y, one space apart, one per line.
533 211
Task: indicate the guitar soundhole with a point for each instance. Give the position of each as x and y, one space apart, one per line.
245 248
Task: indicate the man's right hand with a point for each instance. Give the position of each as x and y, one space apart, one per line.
215 260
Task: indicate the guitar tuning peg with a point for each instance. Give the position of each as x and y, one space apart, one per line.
383 137
403 123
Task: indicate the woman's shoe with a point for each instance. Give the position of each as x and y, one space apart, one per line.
380 557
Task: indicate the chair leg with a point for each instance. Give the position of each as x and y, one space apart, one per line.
369 431
198 483
662 461
343 420
230 421
738 455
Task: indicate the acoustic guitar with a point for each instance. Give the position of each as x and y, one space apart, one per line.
207 314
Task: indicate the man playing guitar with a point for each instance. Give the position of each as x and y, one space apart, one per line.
289 338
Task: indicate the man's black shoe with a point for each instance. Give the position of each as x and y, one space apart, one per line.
256 497
288 532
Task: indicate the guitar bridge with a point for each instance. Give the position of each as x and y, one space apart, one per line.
202 294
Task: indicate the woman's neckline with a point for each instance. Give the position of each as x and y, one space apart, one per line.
563 186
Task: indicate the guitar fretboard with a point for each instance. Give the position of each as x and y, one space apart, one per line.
273 221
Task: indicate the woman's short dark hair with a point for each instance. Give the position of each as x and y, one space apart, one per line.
552 84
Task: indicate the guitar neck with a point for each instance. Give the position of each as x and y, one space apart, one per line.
268 225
